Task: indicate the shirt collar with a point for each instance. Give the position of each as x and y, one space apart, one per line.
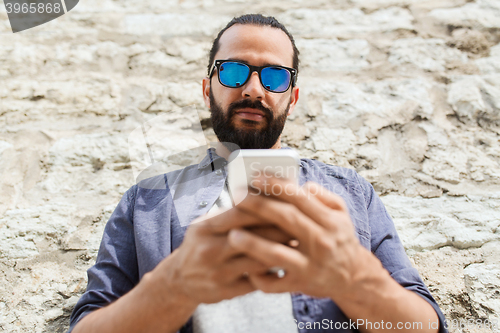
209 159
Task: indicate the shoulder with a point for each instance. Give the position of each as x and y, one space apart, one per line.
348 184
330 170
155 189
322 170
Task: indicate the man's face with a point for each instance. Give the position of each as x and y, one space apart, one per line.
250 116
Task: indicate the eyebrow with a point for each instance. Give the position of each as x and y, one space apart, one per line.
246 62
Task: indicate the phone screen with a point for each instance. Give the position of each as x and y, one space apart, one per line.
244 165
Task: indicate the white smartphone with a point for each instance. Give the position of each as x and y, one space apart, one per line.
244 164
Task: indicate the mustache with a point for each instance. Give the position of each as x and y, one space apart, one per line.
246 103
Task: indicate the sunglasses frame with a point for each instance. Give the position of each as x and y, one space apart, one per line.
258 69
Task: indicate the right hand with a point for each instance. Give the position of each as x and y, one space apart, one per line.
205 268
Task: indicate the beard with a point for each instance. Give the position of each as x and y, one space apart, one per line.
246 138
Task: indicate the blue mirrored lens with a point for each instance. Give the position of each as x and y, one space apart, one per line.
233 74
275 79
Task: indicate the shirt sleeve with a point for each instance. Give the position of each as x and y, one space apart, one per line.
387 247
115 271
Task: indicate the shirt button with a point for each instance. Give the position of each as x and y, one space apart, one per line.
218 172
203 203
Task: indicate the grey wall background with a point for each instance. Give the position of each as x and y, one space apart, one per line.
405 92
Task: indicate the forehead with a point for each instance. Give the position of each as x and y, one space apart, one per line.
258 45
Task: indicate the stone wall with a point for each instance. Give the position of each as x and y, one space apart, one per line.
405 92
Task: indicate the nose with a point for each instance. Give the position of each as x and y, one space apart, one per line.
253 89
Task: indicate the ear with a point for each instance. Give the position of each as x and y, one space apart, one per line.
206 91
293 99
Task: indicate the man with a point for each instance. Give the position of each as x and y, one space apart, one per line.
344 266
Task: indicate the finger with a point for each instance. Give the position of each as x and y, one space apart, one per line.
338 217
270 283
222 221
209 248
284 215
238 267
309 204
328 198
269 253
271 233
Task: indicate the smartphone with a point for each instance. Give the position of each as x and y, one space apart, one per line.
245 164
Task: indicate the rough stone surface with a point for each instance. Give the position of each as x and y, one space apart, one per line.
334 55
469 40
341 22
490 64
478 14
482 283
407 93
476 98
465 222
428 54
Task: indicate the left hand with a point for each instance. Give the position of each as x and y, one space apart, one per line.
329 261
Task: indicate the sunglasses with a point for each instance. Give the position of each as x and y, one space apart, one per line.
235 74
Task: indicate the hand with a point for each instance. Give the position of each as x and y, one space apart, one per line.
329 261
205 268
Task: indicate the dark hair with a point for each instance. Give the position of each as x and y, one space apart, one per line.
259 20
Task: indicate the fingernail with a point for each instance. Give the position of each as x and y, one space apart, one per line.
236 235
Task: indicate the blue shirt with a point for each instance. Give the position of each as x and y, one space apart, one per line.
152 217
